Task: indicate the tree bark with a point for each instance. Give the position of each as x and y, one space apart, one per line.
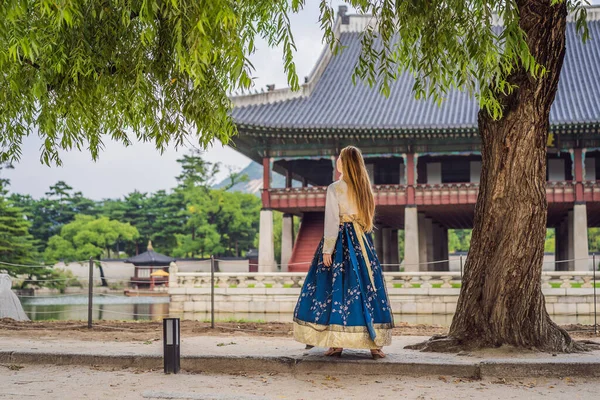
501 301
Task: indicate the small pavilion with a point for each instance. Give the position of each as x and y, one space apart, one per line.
146 266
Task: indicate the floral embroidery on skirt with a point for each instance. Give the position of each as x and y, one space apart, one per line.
338 306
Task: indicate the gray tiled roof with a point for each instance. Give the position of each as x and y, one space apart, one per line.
336 103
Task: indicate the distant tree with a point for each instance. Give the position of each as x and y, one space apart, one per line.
237 220
277 232
196 171
168 214
88 237
594 241
136 213
401 245
50 213
16 244
550 244
234 177
218 222
113 209
459 240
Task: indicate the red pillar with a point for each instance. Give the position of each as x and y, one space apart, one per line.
410 179
578 160
266 200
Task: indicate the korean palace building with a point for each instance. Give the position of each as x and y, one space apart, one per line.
424 160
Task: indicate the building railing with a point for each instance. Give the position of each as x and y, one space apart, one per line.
425 194
591 190
560 191
446 193
304 197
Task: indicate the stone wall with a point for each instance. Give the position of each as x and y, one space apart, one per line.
278 293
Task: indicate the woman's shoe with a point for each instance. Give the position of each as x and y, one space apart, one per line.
377 354
334 352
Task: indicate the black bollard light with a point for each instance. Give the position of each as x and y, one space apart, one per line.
171 345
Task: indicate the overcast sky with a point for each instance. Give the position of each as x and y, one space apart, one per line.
121 170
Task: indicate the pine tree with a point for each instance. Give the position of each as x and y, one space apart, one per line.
18 253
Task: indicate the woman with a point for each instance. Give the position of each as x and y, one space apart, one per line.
343 303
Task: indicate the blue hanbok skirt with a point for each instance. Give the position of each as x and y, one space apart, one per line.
338 305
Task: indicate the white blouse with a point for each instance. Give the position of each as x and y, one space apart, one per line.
337 203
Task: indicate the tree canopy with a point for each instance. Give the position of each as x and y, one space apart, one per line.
87 237
80 72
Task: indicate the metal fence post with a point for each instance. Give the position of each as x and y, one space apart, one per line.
594 278
212 291
90 292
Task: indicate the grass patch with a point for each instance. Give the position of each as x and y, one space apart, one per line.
236 321
556 285
434 285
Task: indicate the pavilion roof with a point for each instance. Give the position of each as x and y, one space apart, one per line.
150 258
330 103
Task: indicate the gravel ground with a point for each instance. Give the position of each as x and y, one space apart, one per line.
127 331
148 330
54 382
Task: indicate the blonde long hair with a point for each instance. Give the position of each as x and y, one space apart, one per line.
354 173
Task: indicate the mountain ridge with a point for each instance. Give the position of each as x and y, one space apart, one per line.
254 184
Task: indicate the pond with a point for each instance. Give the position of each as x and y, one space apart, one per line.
115 307
105 307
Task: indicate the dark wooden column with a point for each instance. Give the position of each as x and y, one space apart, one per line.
410 179
288 178
578 160
266 199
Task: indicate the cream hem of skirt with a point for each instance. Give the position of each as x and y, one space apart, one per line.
351 337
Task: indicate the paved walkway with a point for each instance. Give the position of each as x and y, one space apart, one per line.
267 355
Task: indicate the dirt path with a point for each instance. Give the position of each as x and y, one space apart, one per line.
67 382
148 330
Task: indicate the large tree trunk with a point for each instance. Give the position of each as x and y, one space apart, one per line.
501 300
